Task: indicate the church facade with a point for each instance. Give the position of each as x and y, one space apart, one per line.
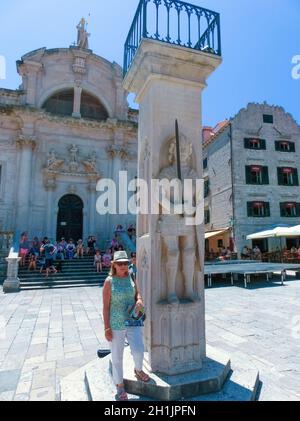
64 129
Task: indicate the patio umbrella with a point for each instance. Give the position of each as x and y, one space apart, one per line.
275 232
293 231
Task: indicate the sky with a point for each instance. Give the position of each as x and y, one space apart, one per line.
259 40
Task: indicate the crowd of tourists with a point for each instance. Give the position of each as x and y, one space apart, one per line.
47 256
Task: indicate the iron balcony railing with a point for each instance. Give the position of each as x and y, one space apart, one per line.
173 22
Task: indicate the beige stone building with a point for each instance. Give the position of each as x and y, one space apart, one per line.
251 166
67 126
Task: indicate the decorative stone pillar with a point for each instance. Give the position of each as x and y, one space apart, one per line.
77 102
12 282
29 71
26 145
168 81
79 69
50 186
117 154
92 207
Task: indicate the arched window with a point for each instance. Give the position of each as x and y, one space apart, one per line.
60 103
92 108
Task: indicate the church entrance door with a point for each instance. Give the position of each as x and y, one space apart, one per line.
70 218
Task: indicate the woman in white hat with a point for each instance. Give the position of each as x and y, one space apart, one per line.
119 294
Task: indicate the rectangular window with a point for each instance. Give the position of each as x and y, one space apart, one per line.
288 177
205 164
256 144
268 118
206 188
258 209
256 174
285 146
206 216
290 210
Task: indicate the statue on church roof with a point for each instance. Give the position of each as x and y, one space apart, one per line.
83 35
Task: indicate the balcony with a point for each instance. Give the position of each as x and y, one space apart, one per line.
173 22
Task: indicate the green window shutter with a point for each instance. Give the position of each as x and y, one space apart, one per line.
265 175
268 211
295 177
277 148
247 143
248 174
298 210
263 144
292 147
249 209
280 176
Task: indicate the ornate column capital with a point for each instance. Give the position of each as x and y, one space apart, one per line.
118 151
26 142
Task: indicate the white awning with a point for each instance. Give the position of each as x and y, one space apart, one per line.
211 234
276 232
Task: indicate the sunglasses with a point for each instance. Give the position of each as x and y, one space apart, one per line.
121 263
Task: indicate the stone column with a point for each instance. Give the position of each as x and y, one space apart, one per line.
26 145
116 154
77 102
92 207
12 282
30 70
50 223
168 81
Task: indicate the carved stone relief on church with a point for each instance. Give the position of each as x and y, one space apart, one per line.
72 165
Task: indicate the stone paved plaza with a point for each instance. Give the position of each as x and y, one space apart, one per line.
45 335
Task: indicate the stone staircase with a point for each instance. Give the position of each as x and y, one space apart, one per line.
75 273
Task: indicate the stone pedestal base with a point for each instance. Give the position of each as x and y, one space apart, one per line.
176 340
209 379
11 285
215 382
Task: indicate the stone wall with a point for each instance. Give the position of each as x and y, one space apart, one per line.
249 123
218 172
222 167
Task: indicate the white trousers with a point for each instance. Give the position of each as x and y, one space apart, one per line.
134 337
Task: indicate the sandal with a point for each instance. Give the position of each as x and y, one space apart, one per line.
121 394
143 377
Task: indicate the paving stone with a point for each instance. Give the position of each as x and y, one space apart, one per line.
23 388
7 396
252 325
42 379
9 380
72 348
22 397
44 394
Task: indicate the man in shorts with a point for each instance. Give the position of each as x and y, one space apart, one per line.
49 249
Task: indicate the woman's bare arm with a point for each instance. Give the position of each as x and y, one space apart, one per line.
106 304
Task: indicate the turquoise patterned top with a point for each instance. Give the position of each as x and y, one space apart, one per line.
122 296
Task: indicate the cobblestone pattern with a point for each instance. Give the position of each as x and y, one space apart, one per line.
46 335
